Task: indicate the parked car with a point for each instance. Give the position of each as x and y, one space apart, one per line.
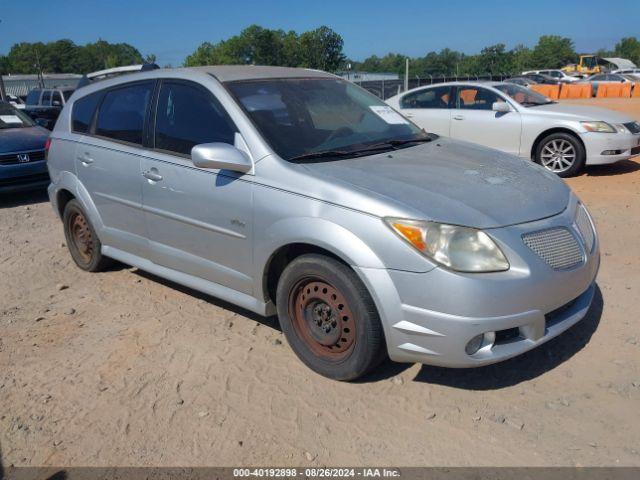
631 72
44 105
522 81
558 75
560 137
596 80
295 192
15 101
22 146
540 78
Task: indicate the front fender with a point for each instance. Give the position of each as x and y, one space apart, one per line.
321 233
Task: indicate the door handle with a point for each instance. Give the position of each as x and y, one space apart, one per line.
153 176
85 159
458 117
409 115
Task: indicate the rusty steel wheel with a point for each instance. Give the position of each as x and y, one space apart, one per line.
81 236
82 241
329 318
323 319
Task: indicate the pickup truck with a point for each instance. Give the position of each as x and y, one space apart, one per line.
44 104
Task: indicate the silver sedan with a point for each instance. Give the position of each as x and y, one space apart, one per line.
562 138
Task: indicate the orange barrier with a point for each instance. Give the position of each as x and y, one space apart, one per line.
551 91
636 90
581 90
468 96
614 90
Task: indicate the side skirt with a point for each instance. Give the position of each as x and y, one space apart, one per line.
215 290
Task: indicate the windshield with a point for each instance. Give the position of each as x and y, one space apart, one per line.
11 117
524 96
306 117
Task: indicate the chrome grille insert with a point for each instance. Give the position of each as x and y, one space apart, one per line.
558 247
585 228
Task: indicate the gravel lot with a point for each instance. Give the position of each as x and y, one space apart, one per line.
123 368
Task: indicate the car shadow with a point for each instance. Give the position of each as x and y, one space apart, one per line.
18 199
523 367
618 168
271 322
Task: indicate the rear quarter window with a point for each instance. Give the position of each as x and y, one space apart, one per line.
83 112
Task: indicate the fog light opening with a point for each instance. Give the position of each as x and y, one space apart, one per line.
480 342
612 152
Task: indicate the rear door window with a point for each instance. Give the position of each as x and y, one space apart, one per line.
56 99
437 97
83 111
188 115
122 113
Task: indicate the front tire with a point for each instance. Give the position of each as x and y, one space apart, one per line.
329 318
561 153
82 241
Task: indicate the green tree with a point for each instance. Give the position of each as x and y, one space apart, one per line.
628 47
322 48
553 51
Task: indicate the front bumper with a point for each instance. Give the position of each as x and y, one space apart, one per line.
25 176
429 317
626 144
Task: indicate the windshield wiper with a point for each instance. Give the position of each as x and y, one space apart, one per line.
535 104
322 154
356 152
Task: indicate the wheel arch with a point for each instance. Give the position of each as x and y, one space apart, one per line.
291 238
550 131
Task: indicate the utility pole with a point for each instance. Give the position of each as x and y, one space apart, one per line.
406 74
3 92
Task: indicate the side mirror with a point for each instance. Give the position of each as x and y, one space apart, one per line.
220 156
501 107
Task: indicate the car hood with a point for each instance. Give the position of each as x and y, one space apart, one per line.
22 139
454 182
580 112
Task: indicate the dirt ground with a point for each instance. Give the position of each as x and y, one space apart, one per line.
123 368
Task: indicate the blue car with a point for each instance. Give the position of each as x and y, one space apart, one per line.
22 151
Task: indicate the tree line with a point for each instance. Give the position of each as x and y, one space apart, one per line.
64 56
321 48
551 51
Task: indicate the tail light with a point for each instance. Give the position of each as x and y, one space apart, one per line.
47 144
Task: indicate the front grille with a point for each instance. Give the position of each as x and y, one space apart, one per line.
19 157
24 179
633 127
585 228
558 247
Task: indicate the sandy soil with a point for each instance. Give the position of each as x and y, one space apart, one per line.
123 368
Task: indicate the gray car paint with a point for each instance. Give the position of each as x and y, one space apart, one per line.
218 231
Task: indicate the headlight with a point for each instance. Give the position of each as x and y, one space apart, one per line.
601 127
460 248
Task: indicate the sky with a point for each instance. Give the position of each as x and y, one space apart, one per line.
172 29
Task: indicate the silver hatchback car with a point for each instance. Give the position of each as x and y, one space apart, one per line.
294 192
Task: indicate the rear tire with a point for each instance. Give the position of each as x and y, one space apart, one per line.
82 240
329 318
561 153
